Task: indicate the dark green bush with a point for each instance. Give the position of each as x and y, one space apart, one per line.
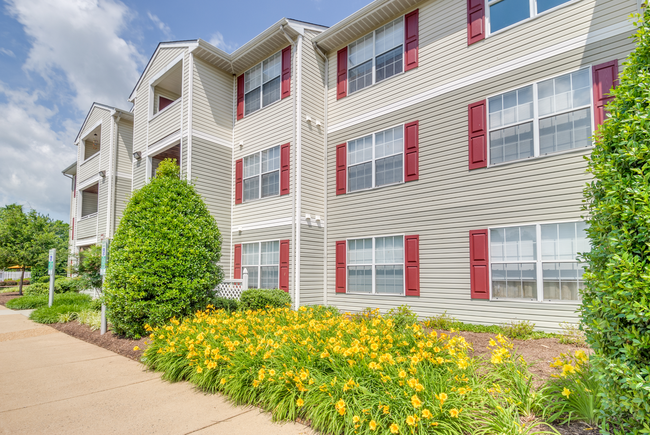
69 284
259 299
39 289
163 258
51 314
28 302
616 302
229 305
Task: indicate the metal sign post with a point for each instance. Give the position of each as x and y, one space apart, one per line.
102 272
51 270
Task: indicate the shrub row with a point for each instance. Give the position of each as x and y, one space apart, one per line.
13 282
254 299
61 285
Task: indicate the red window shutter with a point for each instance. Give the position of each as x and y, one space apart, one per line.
475 21
163 102
342 73
239 180
341 168
477 135
237 262
479 263
284 265
286 72
285 169
412 260
341 269
240 97
411 39
411 151
72 228
605 78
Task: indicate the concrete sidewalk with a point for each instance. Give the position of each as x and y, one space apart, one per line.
56 384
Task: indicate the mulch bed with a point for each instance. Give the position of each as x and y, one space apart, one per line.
6 297
110 341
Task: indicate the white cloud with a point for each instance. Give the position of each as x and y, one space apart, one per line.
218 41
161 26
81 39
33 155
7 52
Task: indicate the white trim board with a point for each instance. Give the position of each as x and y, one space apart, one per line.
211 138
264 224
546 53
86 241
88 182
162 143
89 130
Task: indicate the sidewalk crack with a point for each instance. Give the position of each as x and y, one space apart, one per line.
217 422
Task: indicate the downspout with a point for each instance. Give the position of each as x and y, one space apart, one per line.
232 173
115 116
325 58
189 119
298 121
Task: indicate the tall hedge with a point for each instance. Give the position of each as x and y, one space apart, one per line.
163 258
616 301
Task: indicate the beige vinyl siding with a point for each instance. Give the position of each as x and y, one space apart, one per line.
311 265
122 196
97 114
267 234
123 164
183 162
88 169
103 206
212 101
162 93
445 57
211 174
165 123
449 200
139 173
91 167
87 227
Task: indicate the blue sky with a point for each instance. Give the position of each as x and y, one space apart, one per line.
58 56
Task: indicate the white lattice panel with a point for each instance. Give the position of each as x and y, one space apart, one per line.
230 289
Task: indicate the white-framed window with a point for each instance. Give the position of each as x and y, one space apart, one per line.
375 265
262 261
505 13
89 201
538 262
545 117
262 174
376 160
376 56
262 84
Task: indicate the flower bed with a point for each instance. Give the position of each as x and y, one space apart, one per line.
344 375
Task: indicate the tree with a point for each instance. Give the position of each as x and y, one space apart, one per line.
616 301
26 238
90 262
163 258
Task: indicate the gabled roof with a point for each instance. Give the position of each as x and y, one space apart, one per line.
255 50
363 21
123 112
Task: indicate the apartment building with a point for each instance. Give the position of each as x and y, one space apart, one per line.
101 176
428 153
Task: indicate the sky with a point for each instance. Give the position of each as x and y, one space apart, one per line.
57 57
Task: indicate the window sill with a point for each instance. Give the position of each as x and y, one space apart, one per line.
92 215
91 157
547 155
530 301
375 84
254 201
160 112
261 109
374 188
375 294
550 11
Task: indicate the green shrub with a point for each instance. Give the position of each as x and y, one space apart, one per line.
402 316
41 289
28 302
441 321
67 317
91 318
259 299
69 284
163 258
571 334
616 300
229 305
51 314
96 304
521 329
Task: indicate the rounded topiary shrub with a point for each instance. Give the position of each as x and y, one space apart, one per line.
616 301
259 299
163 258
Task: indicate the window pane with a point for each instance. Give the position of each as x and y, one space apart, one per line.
512 143
564 92
389 36
271 159
544 5
253 78
250 254
360 279
251 165
271 92
360 251
360 150
252 101
390 280
253 276
270 277
360 77
564 132
497 244
508 12
360 51
360 177
251 188
388 170
513 243
270 184
389 64
270 253
564 241
562 280
389 142
511 107
514 280
583 240
271 67
389 250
